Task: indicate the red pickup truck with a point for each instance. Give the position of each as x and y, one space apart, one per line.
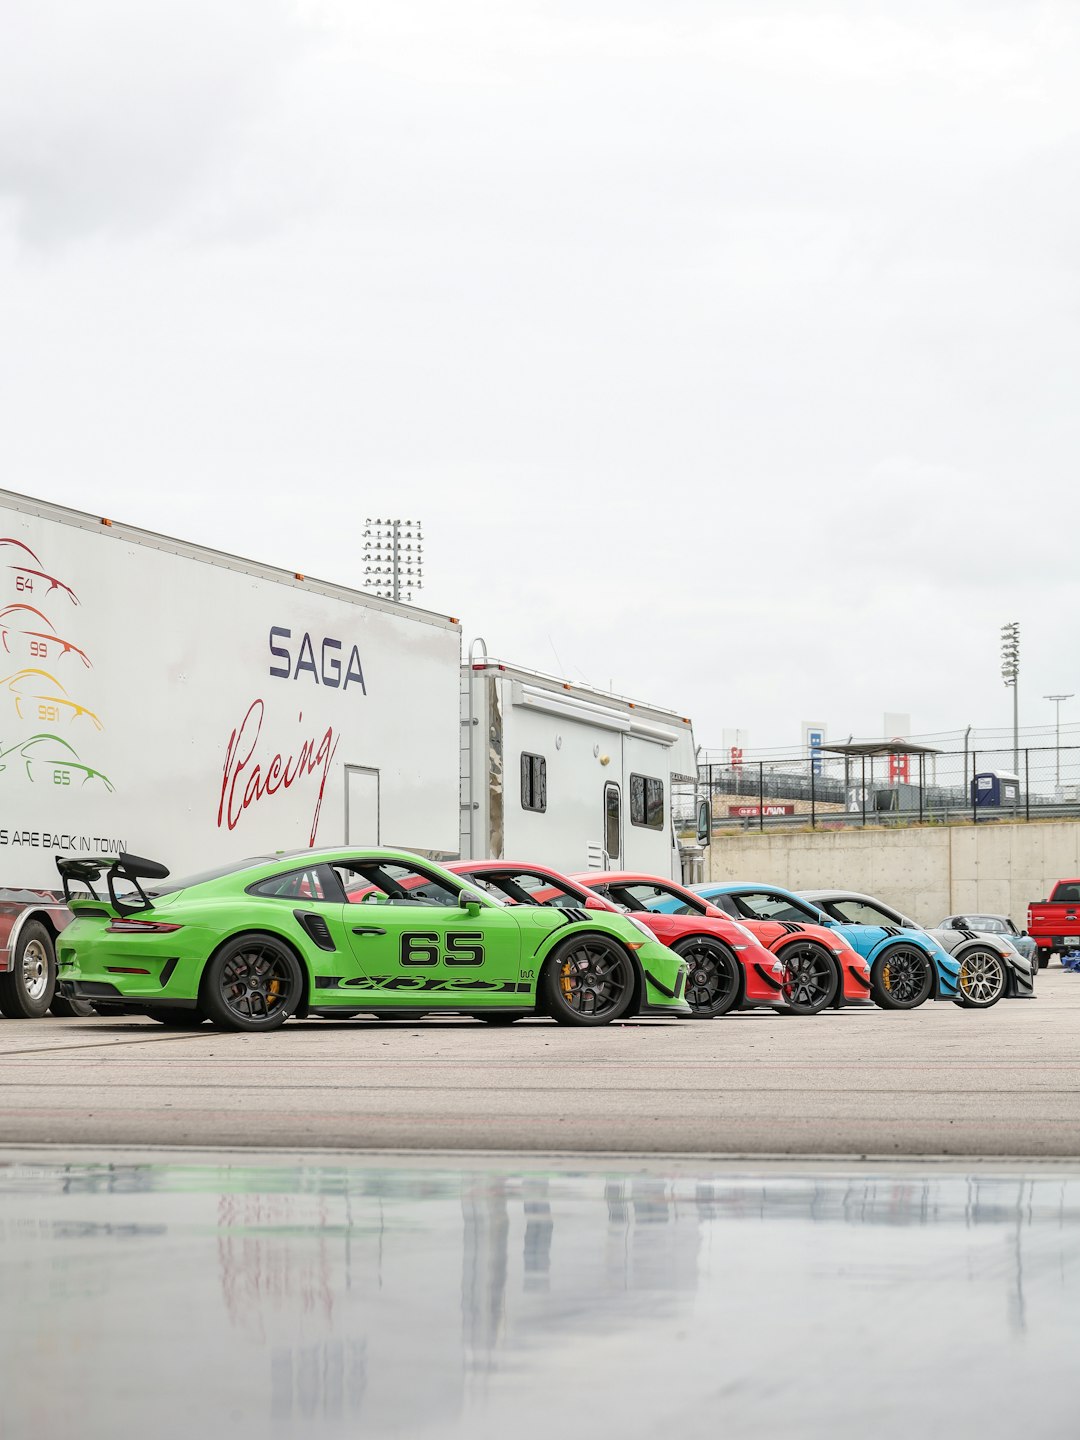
1054 924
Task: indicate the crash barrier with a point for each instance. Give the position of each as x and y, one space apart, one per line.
933 787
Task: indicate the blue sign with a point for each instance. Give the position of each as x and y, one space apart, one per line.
815 739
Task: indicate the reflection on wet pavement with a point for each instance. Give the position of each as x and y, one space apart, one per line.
374 1299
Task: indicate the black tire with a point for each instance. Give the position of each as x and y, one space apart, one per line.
712 980
810 978
174 1017
901 978
71 1009
254 982
27 989
983 978
587 980
499 1019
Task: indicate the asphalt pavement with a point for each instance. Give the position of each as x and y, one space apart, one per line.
938 1081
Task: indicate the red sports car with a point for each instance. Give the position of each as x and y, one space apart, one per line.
818 966
728 967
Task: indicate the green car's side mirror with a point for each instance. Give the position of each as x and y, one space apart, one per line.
470 901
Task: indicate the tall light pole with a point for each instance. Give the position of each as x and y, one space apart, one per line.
1010 673
1057 699
393 558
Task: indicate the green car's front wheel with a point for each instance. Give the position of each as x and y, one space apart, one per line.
253 982
588 980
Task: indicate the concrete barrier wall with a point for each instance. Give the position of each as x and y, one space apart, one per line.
927 872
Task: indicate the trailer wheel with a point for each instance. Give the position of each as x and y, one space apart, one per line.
254 982
588 980
26 991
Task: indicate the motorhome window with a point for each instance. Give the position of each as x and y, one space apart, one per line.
533 782
647 802
612 818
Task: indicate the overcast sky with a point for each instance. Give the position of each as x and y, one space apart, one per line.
727 348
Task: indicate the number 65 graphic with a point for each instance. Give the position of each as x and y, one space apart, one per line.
421 947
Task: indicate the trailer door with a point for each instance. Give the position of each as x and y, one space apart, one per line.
361 805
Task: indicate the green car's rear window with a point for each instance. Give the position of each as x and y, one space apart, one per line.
205 876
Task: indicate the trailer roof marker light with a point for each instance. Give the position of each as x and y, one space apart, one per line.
104 521
297 575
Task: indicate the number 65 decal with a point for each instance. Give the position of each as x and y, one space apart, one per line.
421 947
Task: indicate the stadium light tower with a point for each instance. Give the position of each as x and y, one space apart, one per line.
393 558
1010 673
1057 699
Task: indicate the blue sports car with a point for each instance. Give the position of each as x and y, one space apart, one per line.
906 966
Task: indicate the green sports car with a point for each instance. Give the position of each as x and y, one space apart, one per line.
344 932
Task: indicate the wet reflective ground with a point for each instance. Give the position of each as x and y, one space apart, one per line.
373 1298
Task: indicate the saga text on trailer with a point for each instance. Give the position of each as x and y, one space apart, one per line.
168 699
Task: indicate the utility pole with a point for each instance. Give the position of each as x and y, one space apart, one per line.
394 558
1010 673
1057 699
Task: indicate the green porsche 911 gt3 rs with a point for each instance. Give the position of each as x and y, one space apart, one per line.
343 932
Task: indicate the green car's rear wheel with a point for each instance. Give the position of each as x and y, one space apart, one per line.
902 977
253 982
712 978
588 980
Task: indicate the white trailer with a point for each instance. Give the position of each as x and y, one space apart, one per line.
566 775
177 702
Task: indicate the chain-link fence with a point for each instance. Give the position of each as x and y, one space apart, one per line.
943 787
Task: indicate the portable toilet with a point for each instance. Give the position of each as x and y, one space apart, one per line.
995 787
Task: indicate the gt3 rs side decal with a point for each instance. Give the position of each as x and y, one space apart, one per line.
431 983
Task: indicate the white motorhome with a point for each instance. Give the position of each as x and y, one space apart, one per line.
567 775
181 703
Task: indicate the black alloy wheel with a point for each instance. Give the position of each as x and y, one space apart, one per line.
982 978
254 982
27 989
588 980
810 978
901 978
712 976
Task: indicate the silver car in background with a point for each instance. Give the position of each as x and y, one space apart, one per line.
993 925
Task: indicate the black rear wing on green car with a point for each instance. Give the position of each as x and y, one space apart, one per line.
122 867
